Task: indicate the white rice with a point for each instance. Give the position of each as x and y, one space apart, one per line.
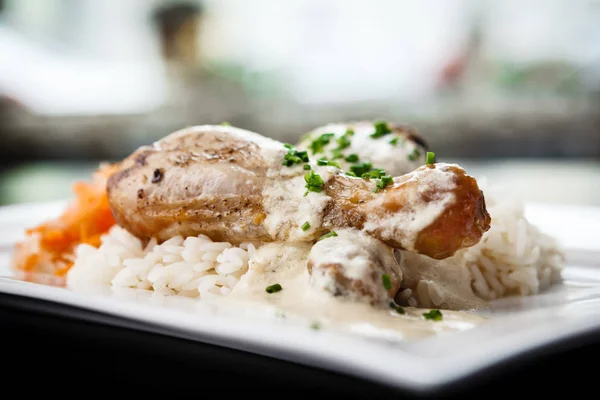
195 266
512 258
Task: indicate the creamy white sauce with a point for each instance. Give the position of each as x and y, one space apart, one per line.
438 283
394 159
286 205
298 301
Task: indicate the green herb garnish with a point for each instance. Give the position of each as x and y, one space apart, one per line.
314 182
328 235
394 141
343 142
305 226
414 155
274 288
381 129
383 182
294 156
288 146
336 154
323 161
225 123
349 173
315 325
361 168
375 173
387 281
397 308
430 158
349 132
319 143
352 158
306 167
434 315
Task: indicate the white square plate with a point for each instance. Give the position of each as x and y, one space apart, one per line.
517 326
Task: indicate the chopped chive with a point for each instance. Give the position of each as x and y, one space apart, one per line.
225 123
394 141
349 173
397 308
381 129
434 315
314 182
375 173
303 155
343 142
430 158
319 143
336 154
352 158
294 157
387 281
360 168
288 146
315 325
305 226
414 155
323 161
274 288
306 167
383 182
366 171
328 235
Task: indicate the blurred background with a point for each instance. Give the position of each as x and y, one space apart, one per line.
510 89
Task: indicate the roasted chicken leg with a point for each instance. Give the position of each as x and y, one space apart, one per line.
355 266
237 186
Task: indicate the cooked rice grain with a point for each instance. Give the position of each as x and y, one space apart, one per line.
194 266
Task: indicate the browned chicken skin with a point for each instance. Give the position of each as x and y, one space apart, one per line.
205 181
219 181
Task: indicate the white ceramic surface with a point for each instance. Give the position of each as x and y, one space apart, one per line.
517 324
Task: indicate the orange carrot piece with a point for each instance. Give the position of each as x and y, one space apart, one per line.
85 220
